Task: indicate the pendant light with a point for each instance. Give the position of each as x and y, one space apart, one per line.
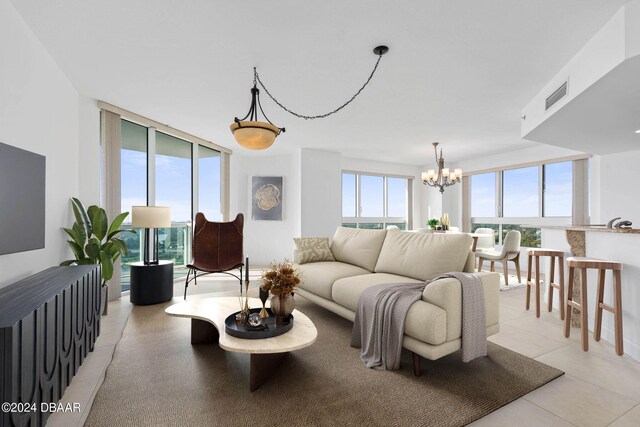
253 134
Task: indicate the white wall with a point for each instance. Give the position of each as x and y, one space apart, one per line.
266 241
321 193
38 112
89 168
618 192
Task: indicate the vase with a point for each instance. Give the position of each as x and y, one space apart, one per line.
282 305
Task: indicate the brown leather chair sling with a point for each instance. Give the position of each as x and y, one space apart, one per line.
217 248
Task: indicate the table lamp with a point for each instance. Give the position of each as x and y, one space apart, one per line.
151 217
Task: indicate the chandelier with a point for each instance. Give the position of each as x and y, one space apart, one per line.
443 178
259 135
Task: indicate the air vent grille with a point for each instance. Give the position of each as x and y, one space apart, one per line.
556 96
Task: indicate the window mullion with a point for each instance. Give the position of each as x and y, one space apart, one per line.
385 200
541 191
195 183
358 203
499 194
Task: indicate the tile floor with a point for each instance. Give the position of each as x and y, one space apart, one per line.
598 389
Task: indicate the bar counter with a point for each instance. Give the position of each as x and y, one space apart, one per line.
615 244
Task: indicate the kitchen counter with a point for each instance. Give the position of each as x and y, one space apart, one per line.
600 229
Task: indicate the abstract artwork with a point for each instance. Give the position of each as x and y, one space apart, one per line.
266 198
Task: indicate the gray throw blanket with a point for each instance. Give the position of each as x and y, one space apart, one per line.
379 324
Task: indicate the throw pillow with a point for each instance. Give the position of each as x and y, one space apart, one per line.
313 249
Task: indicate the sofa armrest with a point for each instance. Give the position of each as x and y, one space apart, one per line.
447 294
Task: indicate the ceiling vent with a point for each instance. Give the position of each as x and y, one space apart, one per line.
556 96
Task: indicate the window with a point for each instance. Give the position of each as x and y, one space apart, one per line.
522 199
133 188
349 195
371 196
520 192
171 183
558 189
396 198
174 189
483 195
375 201
529 237
494 227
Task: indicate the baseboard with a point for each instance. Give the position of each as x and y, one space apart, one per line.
630 349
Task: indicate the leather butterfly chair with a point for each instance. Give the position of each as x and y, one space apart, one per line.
217 248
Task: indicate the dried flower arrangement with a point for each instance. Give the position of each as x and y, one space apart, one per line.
281 278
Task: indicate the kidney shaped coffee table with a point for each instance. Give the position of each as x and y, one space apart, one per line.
207 326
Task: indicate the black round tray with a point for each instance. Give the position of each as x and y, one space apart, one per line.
269 329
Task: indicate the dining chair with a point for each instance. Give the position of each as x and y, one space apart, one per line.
510 252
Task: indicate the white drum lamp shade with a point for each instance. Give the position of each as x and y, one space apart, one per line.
151 217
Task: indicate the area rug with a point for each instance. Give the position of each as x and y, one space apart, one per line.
157 378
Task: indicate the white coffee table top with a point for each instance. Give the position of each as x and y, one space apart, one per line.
216 310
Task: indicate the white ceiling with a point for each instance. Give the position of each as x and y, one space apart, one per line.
601 120
458 72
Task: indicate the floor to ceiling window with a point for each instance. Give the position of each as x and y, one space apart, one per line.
522 199
209 179
173 187
376 201
133 188
158 169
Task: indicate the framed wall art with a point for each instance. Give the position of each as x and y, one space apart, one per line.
266 198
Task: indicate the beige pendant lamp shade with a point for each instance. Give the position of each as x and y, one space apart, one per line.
254 135
151 217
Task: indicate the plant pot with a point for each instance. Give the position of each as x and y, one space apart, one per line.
104 299
282 305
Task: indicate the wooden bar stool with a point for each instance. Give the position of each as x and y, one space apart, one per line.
601 265
553 254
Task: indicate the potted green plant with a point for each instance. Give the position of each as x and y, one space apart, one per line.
94 241
433 223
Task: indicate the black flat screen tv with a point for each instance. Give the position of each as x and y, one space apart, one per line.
22 200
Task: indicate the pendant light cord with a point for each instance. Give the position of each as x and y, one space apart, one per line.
319 116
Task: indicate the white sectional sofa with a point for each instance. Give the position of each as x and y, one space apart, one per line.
365 258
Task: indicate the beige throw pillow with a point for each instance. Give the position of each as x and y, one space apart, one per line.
313 249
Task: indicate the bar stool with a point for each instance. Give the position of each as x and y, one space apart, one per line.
601 265
553 254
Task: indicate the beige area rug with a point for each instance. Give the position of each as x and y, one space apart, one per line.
158 379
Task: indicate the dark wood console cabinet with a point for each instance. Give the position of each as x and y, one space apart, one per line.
48 324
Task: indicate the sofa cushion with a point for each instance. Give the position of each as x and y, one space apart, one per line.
312 249
423 256
318 277
347 291
357 246
425 322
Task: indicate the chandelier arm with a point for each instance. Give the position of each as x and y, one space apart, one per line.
319 116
